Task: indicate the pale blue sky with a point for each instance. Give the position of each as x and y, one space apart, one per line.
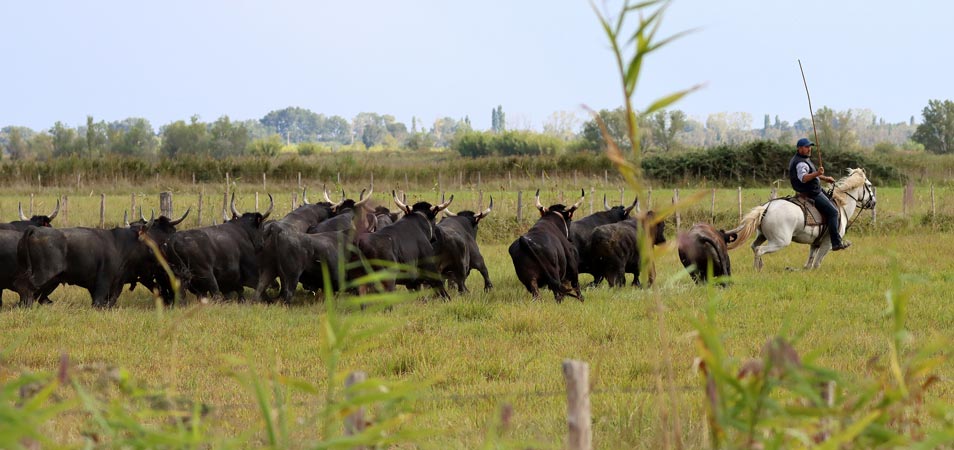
165 61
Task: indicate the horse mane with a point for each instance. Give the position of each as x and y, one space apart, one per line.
855 178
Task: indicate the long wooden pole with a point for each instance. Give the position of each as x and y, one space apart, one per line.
812 112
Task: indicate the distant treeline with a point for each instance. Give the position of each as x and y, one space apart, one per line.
753 164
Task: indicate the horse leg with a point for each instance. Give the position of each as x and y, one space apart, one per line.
771 247
759 240
812 255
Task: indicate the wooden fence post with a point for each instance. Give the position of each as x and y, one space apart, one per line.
675 200
102 210
66 210
712 208
228 184
933 205
509 180
264 184
299 180
480 201
907 202
165 204
592 194
576 374
193 178
622 201
605 177
256 200
198 216
740 203
519 206
649 199
354 422
294 200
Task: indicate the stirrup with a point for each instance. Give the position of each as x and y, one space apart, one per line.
844 245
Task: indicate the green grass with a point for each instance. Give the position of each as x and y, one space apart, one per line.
478 352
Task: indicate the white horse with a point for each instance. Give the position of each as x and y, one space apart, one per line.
779 222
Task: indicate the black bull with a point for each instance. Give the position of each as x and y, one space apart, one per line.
219 259
615 247
581 233
544 255
703 247
293 255
10 234
407 242
101 261
456 247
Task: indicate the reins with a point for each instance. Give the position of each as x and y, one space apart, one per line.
861 206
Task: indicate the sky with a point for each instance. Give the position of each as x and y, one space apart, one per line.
166 61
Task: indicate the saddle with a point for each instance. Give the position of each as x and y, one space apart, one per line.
813 217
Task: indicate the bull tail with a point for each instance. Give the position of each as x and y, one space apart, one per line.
722 258
750 223
24 260
551 279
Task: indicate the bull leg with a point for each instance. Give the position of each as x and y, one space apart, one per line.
532 287
264 280
482 268
289 284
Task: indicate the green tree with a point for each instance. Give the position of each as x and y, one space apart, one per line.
132 137
41 146
269 146
66 142
615 121
836 129
664 125
17 142
294 124
180 138
936 132
501 120
227 139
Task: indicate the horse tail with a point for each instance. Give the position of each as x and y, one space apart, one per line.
747 227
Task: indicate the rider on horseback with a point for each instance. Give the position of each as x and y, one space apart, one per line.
804 177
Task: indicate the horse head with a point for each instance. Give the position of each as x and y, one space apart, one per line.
857 187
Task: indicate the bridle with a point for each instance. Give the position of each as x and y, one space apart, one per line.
868 196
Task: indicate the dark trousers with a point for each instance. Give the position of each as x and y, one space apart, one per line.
828 209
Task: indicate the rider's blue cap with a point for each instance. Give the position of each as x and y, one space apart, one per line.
804 142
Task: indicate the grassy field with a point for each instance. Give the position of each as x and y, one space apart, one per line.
477 352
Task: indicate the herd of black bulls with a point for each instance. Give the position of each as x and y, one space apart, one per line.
335 244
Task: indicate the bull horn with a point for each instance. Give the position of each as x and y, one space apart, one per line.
361 195
399 203
126 219
179 220
448 213
142 217
580 201
20 210
225 216
56 210
537 200
606 206
442 206
271 205
235 212
365 199
343 196
304 196
327 197
634 205
486 212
